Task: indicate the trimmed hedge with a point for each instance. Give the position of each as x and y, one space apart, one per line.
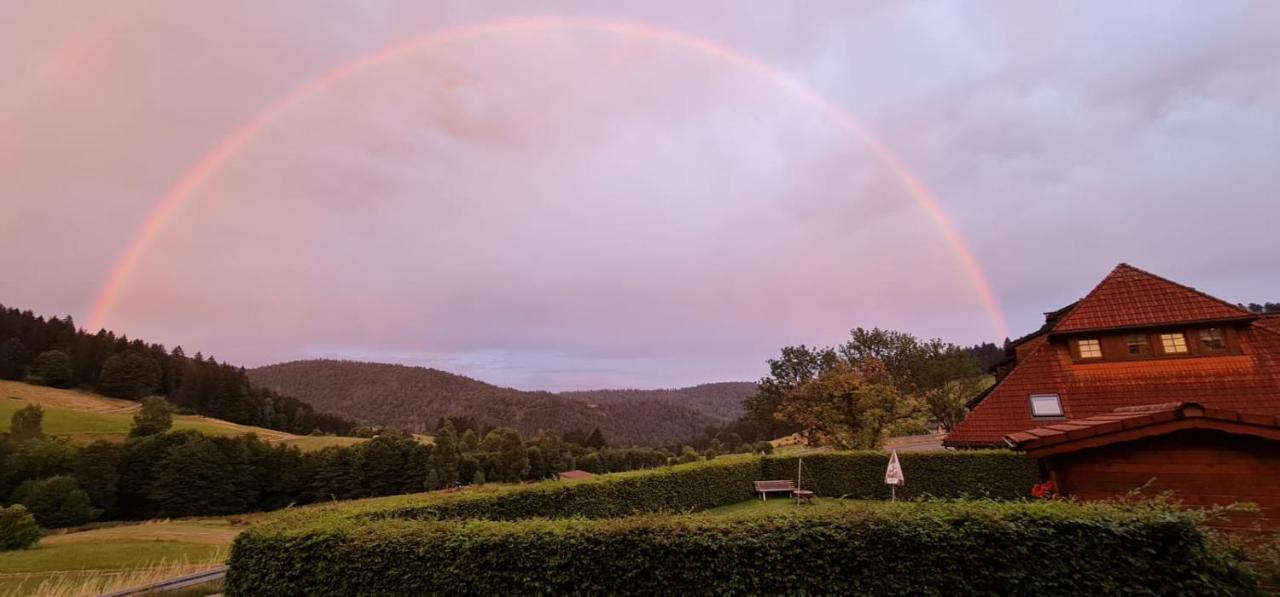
930 548
708 484
998 474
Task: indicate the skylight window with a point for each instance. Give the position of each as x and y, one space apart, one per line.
1090 348
1175 343
1213 340
1045 405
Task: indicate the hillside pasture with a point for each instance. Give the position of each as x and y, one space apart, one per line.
84 417
97 559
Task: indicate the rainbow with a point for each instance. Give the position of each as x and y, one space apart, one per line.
197 174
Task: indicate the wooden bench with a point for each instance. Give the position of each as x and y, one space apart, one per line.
764 488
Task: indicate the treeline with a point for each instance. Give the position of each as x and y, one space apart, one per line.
1262 307
163 473
54 352
414 398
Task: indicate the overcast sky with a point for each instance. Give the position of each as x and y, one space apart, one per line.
569 208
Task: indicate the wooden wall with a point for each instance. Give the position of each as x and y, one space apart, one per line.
1201 467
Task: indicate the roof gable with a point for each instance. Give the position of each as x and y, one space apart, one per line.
1130 297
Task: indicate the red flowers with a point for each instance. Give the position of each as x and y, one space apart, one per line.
1044 491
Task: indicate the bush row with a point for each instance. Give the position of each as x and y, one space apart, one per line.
998 474
723 481
928 548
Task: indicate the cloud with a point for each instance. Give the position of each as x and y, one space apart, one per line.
566 210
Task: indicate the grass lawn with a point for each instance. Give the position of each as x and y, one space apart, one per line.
782 505
114 553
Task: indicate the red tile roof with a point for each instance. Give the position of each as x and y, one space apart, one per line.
1248 382
1126 424
1130 297
575 475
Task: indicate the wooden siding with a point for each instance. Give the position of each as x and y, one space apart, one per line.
1201 467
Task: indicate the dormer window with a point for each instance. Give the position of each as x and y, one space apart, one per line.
1174 343
1089 348
1213 340
1046 405
1137 345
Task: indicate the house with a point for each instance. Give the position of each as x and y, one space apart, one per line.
1142 379
575 475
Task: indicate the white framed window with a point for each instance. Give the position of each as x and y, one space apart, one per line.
1089 348
1175 343
1046 405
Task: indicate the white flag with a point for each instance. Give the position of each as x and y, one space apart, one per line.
893 474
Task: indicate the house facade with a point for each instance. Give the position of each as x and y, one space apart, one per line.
1143 382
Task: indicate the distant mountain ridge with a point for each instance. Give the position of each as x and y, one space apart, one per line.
415 398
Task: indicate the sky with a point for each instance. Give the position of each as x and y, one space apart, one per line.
572 195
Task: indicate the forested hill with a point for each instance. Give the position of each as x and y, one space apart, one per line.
54 352
416 398
720 400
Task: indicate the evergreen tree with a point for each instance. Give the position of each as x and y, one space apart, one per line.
27 423
442 467
470 441
154 418
512 460
13 355
385 459
53 368
129 375
596 439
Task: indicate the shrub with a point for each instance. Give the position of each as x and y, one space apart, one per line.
955 548
999 474
18 528
56 501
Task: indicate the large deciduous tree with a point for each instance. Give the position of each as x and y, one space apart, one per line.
53 368
850 407
129 375
155 417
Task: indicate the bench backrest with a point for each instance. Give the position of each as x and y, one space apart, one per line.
785 485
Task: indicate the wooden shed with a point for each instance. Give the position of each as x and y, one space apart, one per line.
1204 456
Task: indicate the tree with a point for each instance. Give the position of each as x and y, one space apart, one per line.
96 469
511 459
53 369
18 528
596 439
13 356
442 466
850 407
948 377
56 502
27 423
386 458
199 478
795 366
470 441
129 375
155 417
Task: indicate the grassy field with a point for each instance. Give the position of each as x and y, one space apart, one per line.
113 554
84 417
783 505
